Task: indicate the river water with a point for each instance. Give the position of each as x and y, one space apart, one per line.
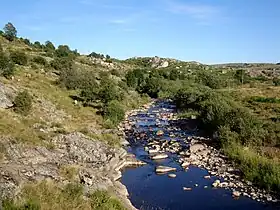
149 190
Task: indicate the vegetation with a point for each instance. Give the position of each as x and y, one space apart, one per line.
23 103
19 58
40 60
48 195
10 31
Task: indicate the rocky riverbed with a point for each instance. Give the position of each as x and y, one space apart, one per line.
172 147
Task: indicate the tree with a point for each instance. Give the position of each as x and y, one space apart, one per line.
174 74
49 46
1 33
63 51
10 31
114 112
108 91
37 44
27 42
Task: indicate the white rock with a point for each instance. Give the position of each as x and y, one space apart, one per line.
160 156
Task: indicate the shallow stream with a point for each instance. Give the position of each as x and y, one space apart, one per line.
149 190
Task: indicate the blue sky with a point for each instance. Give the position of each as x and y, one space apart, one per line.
209 31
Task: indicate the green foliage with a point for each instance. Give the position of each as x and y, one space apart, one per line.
1 33
10 31
258 169
37 45
241 76
135 78
63 51
97 55
152 87
28 205
49 46
174 74
210 79
49 195
108 91
114 112
23 103
61 64
40 60
27 42
19 57
264 99
101 200
217 110
6 65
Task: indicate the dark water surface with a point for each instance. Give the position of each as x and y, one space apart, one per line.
151 191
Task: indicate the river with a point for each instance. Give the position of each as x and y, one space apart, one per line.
149 190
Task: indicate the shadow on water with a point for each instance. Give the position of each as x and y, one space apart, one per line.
149 190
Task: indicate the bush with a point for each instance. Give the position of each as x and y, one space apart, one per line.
40 60
114 112
19 58
6 66
23 103
276 81
61 63
210 79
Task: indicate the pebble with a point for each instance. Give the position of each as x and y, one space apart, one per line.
187 188
172 175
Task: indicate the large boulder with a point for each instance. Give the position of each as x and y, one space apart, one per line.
5 97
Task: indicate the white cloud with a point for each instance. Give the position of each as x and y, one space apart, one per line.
203 13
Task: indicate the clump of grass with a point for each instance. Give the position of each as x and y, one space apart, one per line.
264 99
69 172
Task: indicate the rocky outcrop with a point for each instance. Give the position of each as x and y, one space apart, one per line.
98 165
6 95
157 62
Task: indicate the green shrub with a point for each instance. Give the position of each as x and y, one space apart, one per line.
23 103
210 79
6 66
101 200
276 81
114 112
62 63
19 58
40 60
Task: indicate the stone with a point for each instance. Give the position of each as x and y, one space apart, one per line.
185 164
216 183
172 175
187 188
236 194
5 97
207 177
160 133
159 156
164 169
196 148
